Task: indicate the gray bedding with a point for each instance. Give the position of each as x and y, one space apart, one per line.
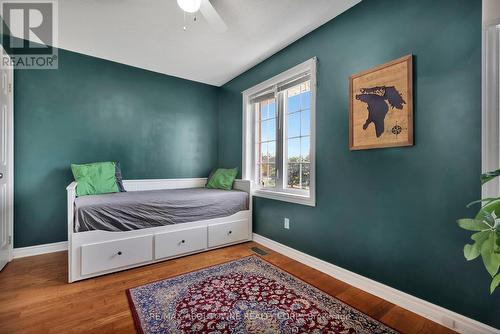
142 209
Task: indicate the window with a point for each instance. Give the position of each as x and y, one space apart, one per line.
279 135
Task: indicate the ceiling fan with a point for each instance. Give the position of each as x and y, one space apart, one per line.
207 10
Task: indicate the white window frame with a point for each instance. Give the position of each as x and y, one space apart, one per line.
248 149
491 105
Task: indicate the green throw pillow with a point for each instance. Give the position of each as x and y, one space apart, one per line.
222 179
95 178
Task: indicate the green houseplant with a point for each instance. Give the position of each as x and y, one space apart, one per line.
486 236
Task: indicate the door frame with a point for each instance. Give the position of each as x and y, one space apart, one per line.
490 105
10 157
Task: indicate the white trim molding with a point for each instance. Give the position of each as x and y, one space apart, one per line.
271 89
491 105
40 249
10 153
285 197
411 303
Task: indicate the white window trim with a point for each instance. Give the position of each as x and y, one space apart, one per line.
490 105
248 148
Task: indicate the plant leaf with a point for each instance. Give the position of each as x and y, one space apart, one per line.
485 216
480 237
497 246
486 177
494 283
490 259
472 224
486 211
487 200
471 252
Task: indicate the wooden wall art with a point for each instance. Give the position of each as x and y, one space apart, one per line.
381 106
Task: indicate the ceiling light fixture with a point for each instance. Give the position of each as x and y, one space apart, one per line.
189 6
206 9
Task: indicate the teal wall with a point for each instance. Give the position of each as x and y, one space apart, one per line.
96 110
388 214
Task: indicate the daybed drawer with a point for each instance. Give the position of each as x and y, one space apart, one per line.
180 242
226 233
115 254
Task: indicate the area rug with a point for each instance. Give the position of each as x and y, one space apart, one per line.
248 295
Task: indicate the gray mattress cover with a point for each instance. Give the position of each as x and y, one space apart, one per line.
142 209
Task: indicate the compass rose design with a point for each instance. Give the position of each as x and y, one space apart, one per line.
396 129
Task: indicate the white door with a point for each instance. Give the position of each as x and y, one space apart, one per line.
6 163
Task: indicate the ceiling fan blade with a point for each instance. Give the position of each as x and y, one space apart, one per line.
212 17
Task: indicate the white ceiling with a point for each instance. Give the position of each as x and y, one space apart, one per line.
148 33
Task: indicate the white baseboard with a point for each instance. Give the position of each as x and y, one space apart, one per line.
419 306
40 249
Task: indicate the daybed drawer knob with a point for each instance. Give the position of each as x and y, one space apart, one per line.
229 232
183 241
119 252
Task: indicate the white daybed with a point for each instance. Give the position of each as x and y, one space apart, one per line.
97 252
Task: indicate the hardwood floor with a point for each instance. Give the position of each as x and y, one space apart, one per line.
36 298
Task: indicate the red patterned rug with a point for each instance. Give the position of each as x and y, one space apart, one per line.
248 295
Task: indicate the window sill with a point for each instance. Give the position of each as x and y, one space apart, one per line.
285 197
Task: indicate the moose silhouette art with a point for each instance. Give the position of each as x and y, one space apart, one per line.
377 98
